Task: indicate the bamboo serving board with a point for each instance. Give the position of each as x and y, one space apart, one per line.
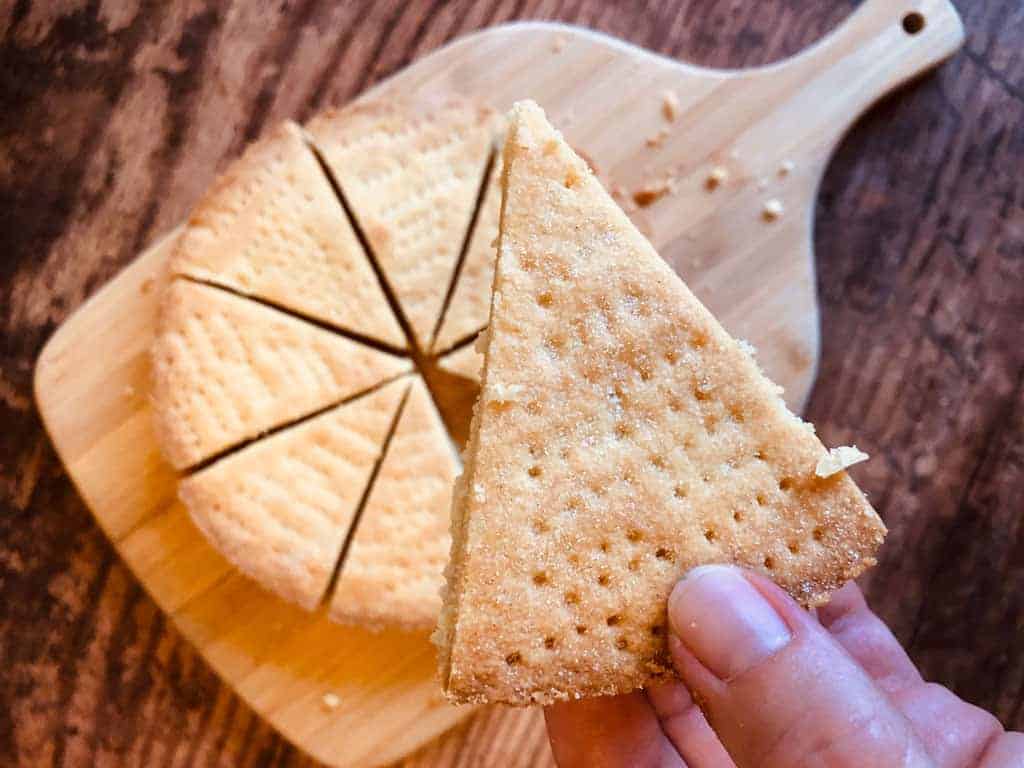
771 130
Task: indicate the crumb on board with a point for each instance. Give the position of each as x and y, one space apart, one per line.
657 139
786 168
670 105
926 464
331 700
716 178
559 43
651 192
772 210
838 459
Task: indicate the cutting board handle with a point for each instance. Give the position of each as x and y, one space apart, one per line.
883 44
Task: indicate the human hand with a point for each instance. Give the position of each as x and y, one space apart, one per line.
779 687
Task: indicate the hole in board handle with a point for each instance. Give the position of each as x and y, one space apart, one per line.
913 23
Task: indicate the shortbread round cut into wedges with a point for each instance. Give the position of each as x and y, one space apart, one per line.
313 456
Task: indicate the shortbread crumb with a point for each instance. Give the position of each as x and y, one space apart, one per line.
838 459
670 105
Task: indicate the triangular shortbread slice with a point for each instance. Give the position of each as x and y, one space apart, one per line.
393 570
411 178
280 509
471 300
621 438
272 227
226 369
466 361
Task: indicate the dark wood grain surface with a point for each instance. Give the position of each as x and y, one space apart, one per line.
114 116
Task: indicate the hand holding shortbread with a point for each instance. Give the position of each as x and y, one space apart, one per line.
780 688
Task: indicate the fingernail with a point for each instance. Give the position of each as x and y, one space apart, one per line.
724 621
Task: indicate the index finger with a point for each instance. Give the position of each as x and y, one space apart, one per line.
609 732
868 640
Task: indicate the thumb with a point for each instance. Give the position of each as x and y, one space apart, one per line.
775 686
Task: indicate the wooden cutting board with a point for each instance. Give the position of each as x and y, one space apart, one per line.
770 131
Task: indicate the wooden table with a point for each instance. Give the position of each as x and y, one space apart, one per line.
114 116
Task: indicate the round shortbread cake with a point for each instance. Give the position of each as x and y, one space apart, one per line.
319 320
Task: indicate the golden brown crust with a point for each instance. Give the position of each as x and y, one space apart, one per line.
272 227
226 369
411 175
280 509
622 437
392 573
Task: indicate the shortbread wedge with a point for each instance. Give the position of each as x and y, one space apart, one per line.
393 570
621 438
280 509
272 227
466 361
471 299
226 369
411 176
